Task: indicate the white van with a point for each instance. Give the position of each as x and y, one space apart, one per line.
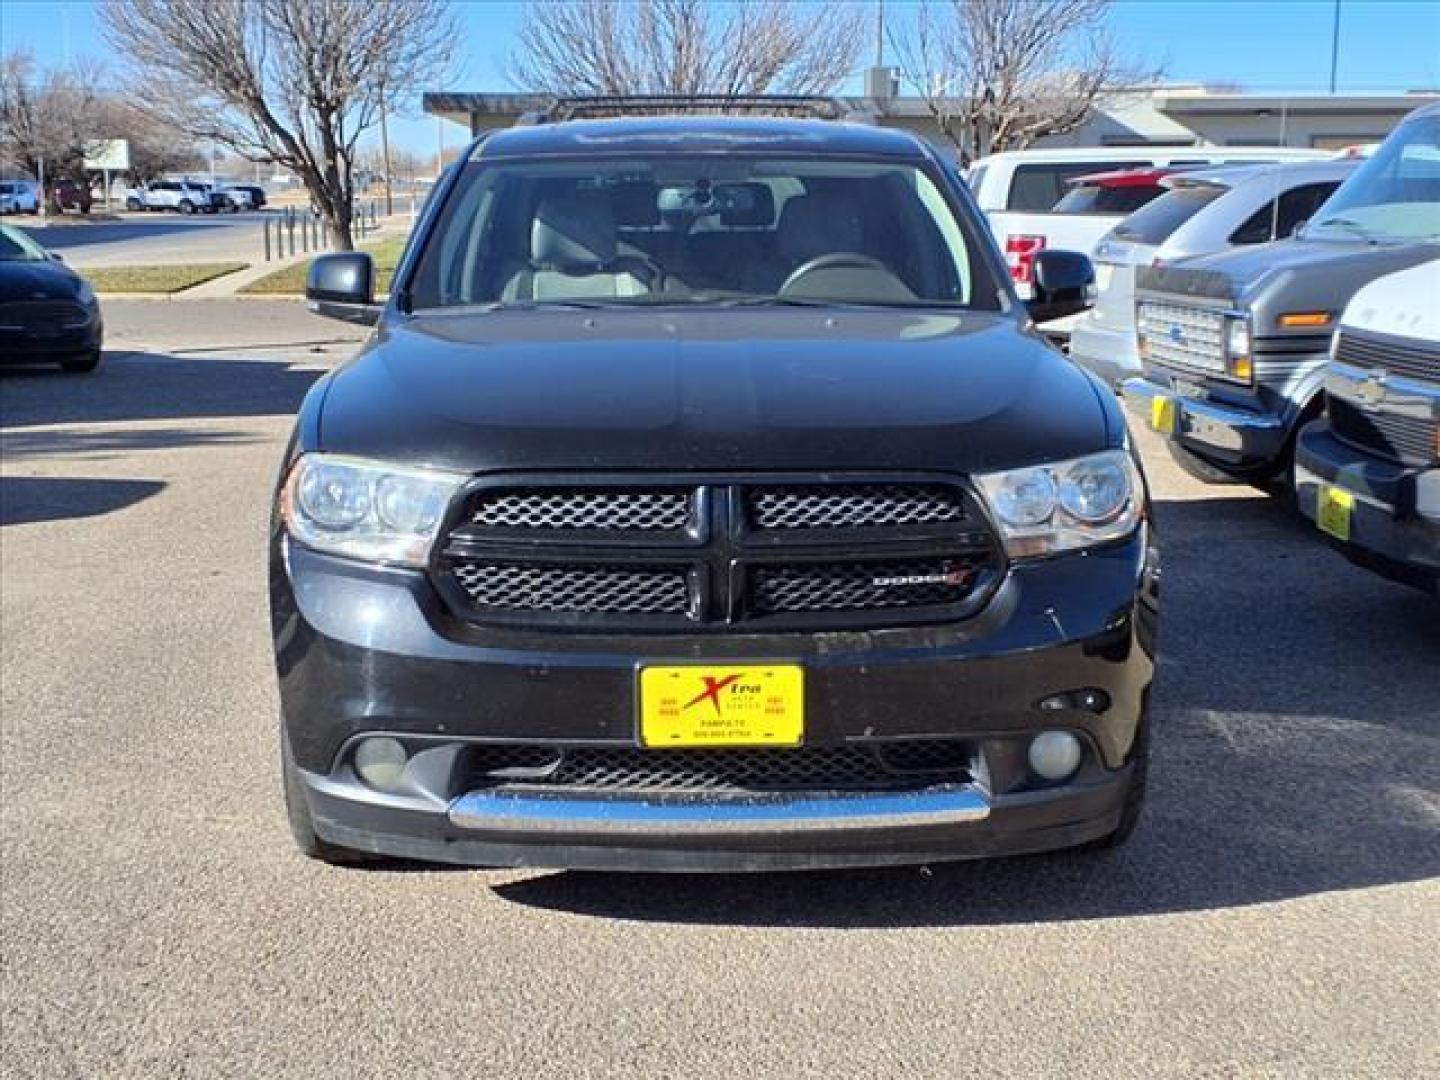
1368 472
1018 190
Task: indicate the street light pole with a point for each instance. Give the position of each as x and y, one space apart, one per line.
385 153
1335 46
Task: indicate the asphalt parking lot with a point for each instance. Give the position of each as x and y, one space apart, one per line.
1276 914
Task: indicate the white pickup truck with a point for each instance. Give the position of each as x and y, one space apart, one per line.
1018 191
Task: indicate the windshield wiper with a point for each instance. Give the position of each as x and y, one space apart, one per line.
1348 224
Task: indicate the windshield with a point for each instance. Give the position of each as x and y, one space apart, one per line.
15 246
1106 199
1155 221
721 230
1393 196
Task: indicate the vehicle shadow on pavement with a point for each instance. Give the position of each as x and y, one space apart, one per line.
1289 761
27 499
137 386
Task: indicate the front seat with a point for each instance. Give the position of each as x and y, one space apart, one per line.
574 254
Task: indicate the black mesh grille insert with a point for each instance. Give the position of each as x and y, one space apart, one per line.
810 768
861 586
1403 438
1411 360
580 589
853 506
602 509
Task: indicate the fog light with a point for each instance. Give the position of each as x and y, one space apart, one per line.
1054 755
381 762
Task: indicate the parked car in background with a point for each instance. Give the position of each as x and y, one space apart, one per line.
254 191
773 539
1019 191
48 313
1234 345
1201 212
19 197
1368 471
188 197
73 195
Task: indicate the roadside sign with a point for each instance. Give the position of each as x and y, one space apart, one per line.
107 155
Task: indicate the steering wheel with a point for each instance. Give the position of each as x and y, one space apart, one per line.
836 260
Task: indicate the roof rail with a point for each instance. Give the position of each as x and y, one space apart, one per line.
813 107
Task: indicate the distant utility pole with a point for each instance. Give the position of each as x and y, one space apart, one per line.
1335 47
879 33
385 153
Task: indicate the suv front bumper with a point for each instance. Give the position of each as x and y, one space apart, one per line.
1228 436
364 651
1394 520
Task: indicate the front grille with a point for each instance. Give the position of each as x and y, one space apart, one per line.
606 510
719 554
513 587
861 586
1188 338
42 316
899 765
1406 439
1409 359
856 506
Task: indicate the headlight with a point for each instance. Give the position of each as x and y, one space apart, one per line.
366 510
1239 364
1074 504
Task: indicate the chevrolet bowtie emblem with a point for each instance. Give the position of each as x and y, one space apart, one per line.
1371 389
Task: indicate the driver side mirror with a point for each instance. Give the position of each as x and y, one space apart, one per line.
1064 284
342 286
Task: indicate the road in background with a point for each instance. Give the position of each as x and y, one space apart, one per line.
1275 915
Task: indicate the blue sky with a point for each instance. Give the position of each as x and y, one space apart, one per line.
1279 45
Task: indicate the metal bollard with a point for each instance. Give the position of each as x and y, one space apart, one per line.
266 224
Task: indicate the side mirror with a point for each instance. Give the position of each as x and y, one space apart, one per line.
342 286
1064 285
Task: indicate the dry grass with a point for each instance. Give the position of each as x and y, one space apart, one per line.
157 279
290 280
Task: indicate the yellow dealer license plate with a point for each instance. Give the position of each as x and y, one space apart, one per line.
722 705
1162 415
1332 511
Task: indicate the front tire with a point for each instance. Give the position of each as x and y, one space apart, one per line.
82 364
133 205
302 825
186 206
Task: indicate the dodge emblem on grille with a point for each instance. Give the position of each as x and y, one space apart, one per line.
950 576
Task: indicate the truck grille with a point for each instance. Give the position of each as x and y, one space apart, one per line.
615 510
1408 359
694 554
1406 439
860 586
503 587
1187 338
900 765
861 506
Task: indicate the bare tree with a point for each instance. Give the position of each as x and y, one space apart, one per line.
677 47
999 74
289 82
47 118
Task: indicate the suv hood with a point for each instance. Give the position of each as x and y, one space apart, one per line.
715 389
1241 272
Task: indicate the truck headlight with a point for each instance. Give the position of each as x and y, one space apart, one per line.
1047 509
366 510
1239 362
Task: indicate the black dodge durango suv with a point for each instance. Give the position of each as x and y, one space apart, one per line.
705 500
